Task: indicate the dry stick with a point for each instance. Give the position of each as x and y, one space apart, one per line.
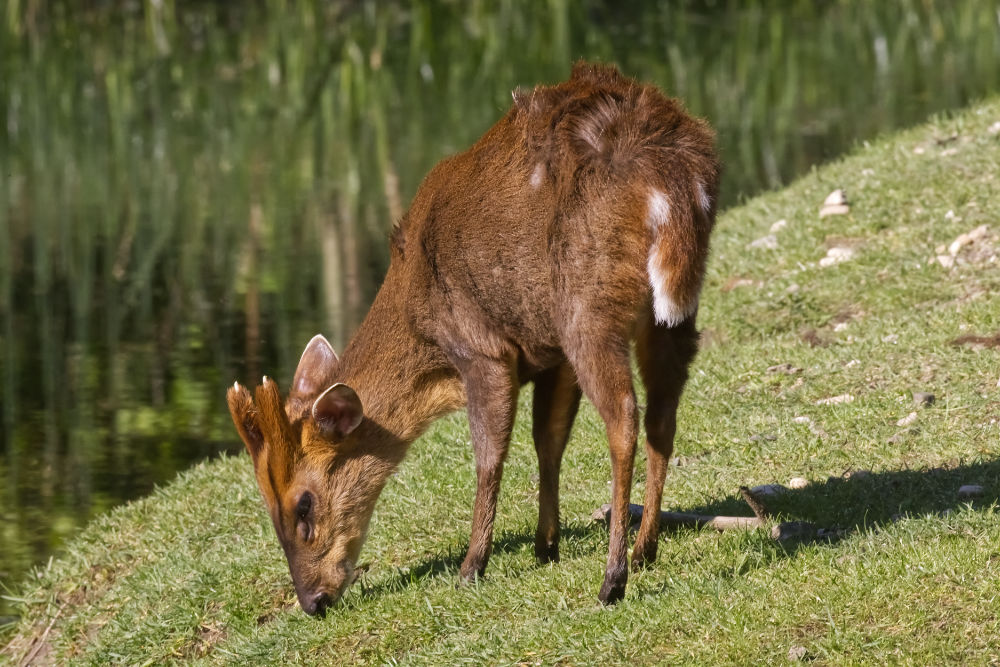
755 503
688 519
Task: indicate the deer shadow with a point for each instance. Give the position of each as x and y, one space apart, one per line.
841 506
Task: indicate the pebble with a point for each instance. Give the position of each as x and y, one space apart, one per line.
837 254
907 420
947 261
835 204
798 483
768 490
835 400
923 398
970 491
994 128
779 225
769 242
797 653
967 239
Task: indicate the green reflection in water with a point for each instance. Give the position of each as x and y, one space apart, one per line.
190 191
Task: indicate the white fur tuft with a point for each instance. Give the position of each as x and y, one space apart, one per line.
665 309
704 199
538 175
658 211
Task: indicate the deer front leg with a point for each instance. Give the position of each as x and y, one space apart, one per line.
491 388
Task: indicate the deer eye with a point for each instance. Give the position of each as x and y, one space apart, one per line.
304 507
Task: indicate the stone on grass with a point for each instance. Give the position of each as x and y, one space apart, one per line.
778 226
769 242
836 400
797 653
835 204
923 398
798 483
836 255
967 239
907 420
968 491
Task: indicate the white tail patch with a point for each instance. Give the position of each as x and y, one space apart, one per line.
658 212
665 309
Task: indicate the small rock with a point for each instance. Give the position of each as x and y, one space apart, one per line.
919 150
779 225
840 326
907 420
835 198
923 398
802 420
835 204
793 530
970 491
797 653
836 255
967 238
947 261
768 490
798 483
835 400
769 242
994 128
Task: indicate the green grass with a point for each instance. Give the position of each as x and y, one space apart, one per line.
194 572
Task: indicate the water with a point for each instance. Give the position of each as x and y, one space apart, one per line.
190 191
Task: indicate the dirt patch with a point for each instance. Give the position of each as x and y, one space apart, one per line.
205 638
978 342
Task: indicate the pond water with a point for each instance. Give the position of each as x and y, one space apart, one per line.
189 191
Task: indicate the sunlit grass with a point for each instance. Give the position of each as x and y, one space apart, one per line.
912 573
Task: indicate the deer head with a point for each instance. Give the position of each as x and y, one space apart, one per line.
317 471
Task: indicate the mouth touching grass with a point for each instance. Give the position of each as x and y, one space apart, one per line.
910 571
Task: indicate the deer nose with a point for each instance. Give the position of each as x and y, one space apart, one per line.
320 603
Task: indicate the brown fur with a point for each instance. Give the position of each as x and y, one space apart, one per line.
529 257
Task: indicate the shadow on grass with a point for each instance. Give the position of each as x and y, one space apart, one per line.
841 505
448 564
860 501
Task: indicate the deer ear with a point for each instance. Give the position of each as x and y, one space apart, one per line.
338 410
241 409
316 368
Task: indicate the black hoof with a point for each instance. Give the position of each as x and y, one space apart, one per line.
547 552
612 591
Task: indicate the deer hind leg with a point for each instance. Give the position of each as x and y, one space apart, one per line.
601 362
664 354
557 398
492 389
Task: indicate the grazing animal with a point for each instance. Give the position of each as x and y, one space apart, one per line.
577 224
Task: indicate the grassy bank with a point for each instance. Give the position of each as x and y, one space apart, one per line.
909 572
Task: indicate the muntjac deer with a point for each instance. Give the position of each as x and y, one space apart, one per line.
577 224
